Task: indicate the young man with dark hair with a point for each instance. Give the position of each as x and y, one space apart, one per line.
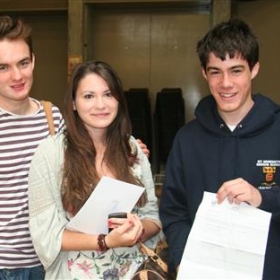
231 148
23 125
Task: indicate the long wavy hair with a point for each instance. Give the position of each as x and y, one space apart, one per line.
79 172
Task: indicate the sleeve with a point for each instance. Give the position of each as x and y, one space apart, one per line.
174 210
150 209
58 120
47 218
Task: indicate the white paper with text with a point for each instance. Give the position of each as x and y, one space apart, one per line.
227 241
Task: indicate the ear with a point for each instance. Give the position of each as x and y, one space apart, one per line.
204 73
33 61
74 106
255 70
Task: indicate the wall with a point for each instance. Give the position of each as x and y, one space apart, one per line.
150 48
50 47
263 16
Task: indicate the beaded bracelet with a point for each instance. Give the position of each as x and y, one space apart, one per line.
102 243
141 236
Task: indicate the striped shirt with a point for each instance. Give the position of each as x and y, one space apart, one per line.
19 138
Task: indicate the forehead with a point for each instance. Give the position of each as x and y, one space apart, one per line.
94 81
216 62
12 51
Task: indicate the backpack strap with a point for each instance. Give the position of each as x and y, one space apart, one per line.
47 105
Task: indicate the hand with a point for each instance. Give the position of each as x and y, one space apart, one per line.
144 147
239 190
126 232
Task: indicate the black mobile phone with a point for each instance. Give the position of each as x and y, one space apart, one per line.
117 215
120 215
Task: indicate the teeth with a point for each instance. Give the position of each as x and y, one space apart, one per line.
227 95
17 86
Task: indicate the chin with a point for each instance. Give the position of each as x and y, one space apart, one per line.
229 108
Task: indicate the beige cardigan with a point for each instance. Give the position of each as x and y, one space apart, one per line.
47 216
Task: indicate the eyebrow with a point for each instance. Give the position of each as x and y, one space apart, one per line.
212 68
88 92
22 60
231 68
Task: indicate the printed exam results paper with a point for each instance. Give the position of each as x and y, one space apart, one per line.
110 195
227 241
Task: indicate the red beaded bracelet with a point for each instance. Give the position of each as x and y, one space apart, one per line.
102 243
141 236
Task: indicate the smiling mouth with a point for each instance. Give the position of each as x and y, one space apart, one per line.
227 95
18 87
100 115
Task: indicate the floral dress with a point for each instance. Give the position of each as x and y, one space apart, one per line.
114 264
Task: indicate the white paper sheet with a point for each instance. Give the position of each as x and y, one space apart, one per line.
110 195
227 241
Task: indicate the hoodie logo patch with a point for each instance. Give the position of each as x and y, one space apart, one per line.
269 168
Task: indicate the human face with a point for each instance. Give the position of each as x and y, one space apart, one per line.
95 104
230 81
16 71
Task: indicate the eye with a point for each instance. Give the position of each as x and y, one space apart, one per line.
88 96
214 72
236 70
25 63
108 94
3 68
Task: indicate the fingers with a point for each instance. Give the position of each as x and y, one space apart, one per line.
229 190
237 191
126 232
143 147
137 228
116 222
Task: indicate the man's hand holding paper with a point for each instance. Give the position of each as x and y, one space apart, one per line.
239 190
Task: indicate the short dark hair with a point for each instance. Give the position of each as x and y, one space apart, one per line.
231 37
14 29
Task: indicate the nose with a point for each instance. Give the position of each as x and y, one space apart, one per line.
226 80
99 102
16 73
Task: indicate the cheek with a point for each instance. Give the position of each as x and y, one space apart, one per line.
4 79
28 73
115 107
213 86
245 85
213 81
79 107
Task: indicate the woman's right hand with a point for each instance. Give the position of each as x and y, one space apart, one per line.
126 233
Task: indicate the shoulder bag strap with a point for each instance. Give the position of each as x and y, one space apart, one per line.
47 105
149 252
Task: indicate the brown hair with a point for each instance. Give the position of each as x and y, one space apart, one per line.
79 173
14 29
231 37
